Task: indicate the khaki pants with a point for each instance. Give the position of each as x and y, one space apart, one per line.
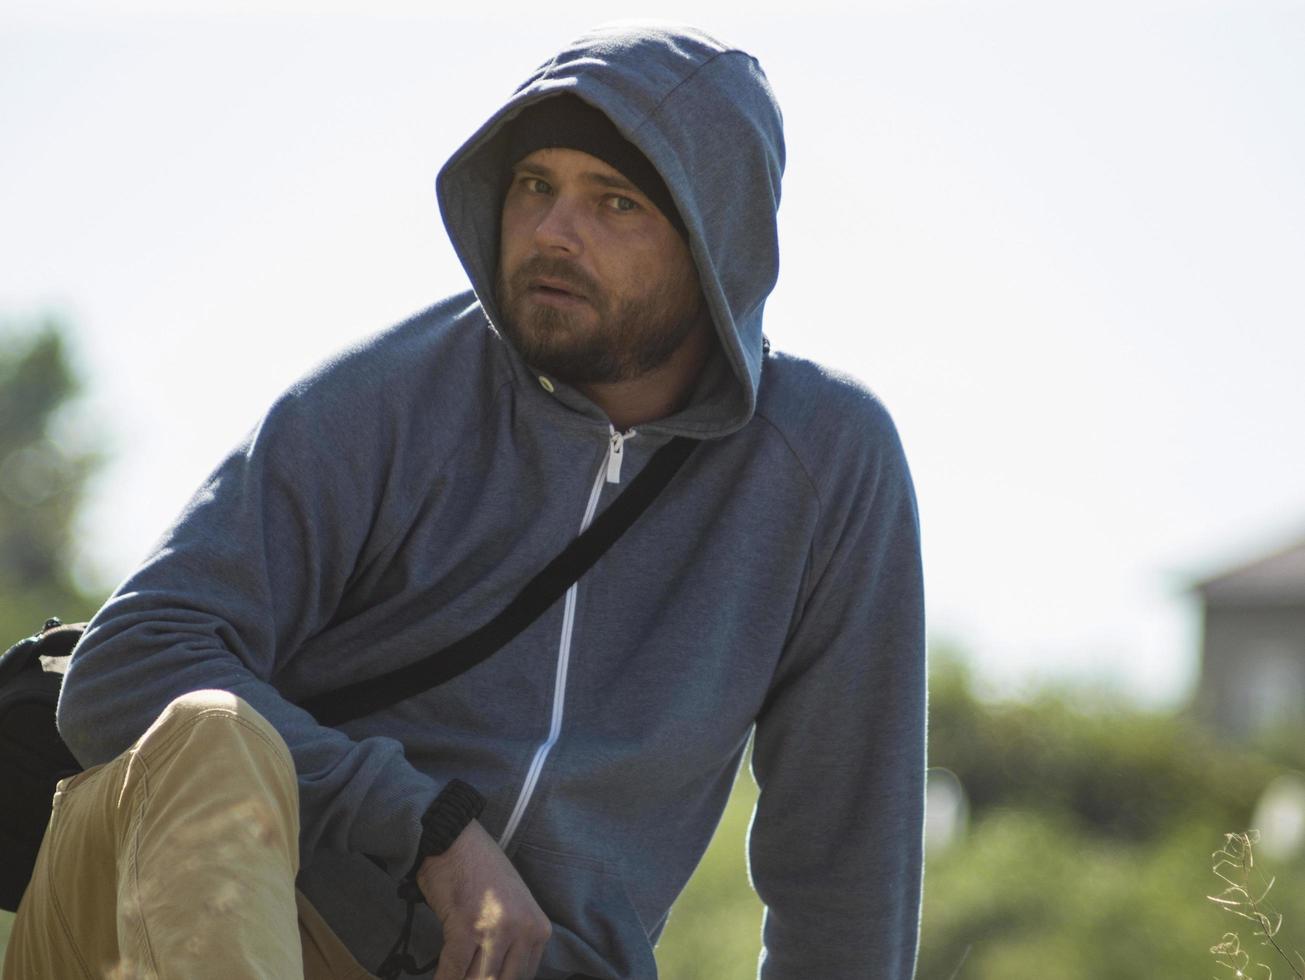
178 859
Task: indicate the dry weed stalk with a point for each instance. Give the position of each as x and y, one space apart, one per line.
1232 864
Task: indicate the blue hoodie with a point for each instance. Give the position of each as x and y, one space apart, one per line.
394 500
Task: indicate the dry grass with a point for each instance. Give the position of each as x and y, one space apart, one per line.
1234 865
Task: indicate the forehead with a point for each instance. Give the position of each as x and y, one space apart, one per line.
558 163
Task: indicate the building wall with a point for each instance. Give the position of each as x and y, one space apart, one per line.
1253 668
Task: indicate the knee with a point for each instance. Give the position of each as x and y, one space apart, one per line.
193 705
217 722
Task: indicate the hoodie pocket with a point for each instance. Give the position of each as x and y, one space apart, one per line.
596 931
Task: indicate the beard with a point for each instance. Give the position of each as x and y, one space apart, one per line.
632 336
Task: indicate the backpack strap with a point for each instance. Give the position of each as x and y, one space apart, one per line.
368 696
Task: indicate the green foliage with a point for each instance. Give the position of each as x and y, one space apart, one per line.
1122 774
714 931
1088 851
1029 895
43 474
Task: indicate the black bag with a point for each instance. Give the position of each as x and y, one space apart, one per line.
32 755
33 758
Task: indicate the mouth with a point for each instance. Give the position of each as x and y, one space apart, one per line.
554 291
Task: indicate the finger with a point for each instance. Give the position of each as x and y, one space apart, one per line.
516 964
480 966
455 958
536 956
476 971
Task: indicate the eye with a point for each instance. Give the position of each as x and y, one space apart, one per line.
619 202
534 185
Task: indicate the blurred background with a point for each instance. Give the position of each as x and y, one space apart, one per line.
1063 241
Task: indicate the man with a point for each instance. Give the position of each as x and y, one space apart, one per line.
616 219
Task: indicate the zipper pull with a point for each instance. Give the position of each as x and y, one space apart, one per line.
615 454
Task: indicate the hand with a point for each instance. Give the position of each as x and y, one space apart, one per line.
493 929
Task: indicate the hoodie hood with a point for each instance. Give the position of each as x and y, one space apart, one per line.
704 114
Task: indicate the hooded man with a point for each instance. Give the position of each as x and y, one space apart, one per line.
616 219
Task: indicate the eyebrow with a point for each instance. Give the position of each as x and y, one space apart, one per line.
613 180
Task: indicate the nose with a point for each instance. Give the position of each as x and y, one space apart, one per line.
558 229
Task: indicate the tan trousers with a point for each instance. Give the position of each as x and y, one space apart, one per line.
178 859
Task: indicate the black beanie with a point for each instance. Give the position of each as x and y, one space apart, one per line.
565 121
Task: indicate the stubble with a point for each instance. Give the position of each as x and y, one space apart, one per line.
626 339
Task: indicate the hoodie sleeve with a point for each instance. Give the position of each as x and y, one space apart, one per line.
836 839
254 568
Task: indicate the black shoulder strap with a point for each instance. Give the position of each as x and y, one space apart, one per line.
365 697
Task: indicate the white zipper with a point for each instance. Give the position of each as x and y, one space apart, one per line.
616 452
608 472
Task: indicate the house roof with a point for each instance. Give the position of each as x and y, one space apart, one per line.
1277 579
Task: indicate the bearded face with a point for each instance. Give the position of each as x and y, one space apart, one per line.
610 335
594 284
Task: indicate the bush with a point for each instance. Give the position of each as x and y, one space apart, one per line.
1088 854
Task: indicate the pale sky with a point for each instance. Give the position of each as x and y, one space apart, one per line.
1064 242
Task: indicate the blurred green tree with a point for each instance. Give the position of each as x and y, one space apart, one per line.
714 932
1091 829
44 468
1112 770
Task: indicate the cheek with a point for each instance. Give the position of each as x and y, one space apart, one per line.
685 279
676 259
506 240
637 267
515 232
